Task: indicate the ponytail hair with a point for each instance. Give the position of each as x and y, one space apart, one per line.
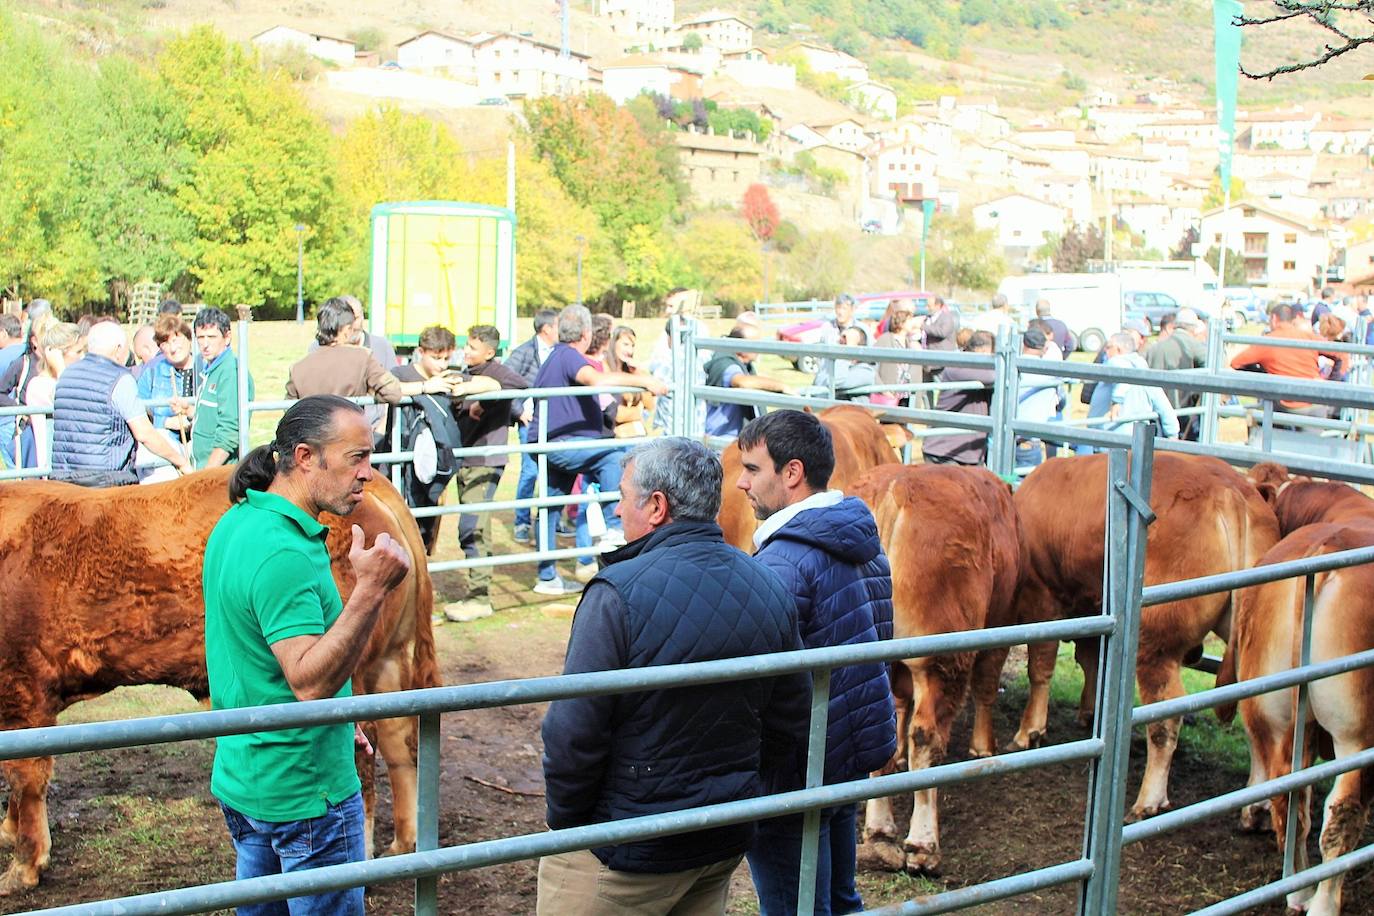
309 421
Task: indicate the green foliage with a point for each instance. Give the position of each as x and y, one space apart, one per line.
366 38
1235 266
1071 251
1073 82
960 255
819 267
262 167
291 59
826 178
724 120
692 42
604 158
723 259
1215 198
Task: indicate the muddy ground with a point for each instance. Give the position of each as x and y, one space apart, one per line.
134 821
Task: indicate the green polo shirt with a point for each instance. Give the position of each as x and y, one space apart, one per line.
267 578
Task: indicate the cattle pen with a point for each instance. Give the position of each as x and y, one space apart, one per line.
1106 752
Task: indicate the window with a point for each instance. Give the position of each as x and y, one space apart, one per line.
1248 212
1290 238
1216 238
1290 265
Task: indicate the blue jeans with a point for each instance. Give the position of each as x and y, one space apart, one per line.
775 864
529 473
271 848
601 466
1030 453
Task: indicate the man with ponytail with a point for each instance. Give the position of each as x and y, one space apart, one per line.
277 631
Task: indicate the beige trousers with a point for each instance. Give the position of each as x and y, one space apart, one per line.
577 884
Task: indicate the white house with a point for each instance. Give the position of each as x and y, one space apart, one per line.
1023 223
438 51
1281 251
1117 122
975 114
824 59
1117 170
1193 131
756 68
1248 164
1283 129
719 29
1161 224
805 136
638 18
904 171
846 133
873 98
921 130
1072 192
514 65
339 51
1342 137
1044 136
624 79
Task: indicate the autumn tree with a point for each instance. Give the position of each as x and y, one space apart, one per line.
820 266
721 258
759 212
1074 248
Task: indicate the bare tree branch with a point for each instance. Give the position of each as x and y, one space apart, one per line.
1322 13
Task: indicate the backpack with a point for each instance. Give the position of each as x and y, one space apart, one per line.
431 431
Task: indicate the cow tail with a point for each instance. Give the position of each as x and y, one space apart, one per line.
1227 675
1238 543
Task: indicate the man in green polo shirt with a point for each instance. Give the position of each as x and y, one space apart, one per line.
276 631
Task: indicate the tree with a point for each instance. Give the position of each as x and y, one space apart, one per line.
759 212
261 168
721 260
1071 251
1235 266
1183 251
819 267
960 255
1215 198
692 42
1351 22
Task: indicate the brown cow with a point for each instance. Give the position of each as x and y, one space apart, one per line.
860 444
952 537
102 589
1299 501
1267 638
1210 520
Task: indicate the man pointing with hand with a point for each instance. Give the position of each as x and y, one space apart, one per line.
276 631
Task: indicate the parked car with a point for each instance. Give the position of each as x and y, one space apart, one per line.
495 100
869 309
1152 307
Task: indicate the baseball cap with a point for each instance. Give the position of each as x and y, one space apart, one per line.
1139 325
1187 318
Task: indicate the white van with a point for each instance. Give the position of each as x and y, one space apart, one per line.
1090 304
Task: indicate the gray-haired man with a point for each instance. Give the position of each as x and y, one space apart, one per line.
675 593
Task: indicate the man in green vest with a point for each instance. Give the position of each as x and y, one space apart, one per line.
276 631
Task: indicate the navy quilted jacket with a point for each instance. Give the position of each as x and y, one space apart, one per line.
678 594
831 561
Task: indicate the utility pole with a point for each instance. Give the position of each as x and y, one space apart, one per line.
300 273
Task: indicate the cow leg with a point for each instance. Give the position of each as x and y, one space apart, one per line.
1268 720
27 817
397 739
939 686
880 850
1085 652
1347 809
987 677
365 761
1035 720
1159 679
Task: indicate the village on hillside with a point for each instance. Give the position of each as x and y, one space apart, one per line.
1147 160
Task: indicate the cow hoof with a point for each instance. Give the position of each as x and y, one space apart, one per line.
398 848
980 753
1024 741
923 860
18 878
1255 818
1139 813
880 855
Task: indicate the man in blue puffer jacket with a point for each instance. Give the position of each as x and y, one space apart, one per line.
824 546
675 593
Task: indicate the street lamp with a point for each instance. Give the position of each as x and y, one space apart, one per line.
300 272
580 241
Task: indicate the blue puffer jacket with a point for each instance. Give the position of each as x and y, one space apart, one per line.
831 561
677 594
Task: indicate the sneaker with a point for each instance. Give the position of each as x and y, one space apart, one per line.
614 537
556 586
584 572
522 534
467 610
565 528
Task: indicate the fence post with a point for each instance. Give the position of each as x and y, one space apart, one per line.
427 810
245 417
1300 796
541 486
1126 496
999 455
815 776
1216 354
689 379
394 412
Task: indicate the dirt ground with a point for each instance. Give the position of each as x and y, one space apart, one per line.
134 821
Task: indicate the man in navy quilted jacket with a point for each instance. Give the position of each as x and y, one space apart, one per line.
676 592
824 546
